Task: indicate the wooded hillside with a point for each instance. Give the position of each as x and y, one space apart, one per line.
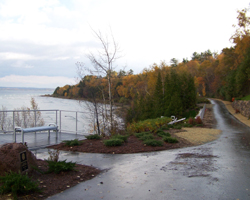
165 89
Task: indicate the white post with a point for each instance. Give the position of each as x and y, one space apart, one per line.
76 122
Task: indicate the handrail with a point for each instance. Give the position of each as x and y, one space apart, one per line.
58 119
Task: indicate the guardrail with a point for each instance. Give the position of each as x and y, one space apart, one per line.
202 112
67 121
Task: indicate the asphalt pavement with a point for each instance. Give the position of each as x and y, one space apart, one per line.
215 170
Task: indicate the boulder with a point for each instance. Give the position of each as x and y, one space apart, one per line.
10 159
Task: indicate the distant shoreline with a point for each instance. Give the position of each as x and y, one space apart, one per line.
26 88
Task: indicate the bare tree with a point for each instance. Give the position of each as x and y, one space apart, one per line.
103 64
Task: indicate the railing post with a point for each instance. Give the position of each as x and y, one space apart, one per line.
60 121
76 122
56 118
13 120
35 117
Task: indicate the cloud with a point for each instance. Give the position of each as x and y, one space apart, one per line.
47 37
36 81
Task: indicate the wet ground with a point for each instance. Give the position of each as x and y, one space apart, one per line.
216 170
40 139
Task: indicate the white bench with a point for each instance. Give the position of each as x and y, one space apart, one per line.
50 127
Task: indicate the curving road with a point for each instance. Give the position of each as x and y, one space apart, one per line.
216 170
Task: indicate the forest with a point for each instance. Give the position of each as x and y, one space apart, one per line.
164 90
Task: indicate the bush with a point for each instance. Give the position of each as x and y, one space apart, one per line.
153 143
191 121
93 137
147 137
187 125
121 137
54 155
59 166
147 125
170 139
170 126
16 183
164 128
177 126
138 135
198 120
113 142
163 134
74 142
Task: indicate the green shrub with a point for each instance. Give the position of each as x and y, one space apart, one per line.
164 128
59 166
147 125
93 137
153 143
199 125
74 142
16 183
121 137
170 139
170 126
113 142
147 137
247 98
187 125
202 100
177 126
163 134
138 135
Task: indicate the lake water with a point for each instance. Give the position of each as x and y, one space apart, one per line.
16 98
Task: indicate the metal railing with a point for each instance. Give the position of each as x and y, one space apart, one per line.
72 122
202 112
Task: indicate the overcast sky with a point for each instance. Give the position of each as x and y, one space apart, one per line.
41 40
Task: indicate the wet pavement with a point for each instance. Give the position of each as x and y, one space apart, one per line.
40 139
216 170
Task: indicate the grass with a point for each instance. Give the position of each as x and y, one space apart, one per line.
246 98
16 183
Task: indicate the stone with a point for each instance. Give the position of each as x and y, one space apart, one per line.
243 107
10 158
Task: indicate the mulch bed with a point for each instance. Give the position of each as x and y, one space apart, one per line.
133 145
51 183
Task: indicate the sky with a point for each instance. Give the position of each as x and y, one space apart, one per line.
42 40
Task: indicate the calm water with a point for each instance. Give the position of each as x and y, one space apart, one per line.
16 98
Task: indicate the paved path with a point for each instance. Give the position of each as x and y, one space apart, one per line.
216 170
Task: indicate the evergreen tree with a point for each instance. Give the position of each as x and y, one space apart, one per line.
167 94
158 98
242 78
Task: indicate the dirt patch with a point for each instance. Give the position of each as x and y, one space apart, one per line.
198 136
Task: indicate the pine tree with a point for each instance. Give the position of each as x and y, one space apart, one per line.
158 98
